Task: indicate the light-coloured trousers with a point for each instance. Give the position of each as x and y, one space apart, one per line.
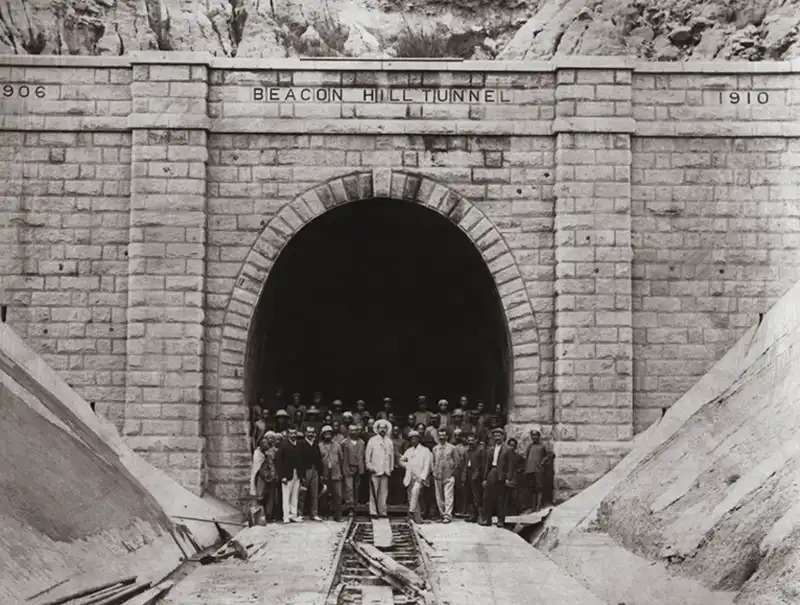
378 494
445 490
290 491
414 491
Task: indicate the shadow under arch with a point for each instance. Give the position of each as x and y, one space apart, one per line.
365 185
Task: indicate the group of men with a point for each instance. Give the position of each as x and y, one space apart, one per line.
442 465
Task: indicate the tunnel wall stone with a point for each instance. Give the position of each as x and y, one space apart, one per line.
639 222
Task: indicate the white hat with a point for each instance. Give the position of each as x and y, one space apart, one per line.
326 429
536 429
412 434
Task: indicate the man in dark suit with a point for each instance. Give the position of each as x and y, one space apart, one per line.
311 458
495 474
289 464
473 469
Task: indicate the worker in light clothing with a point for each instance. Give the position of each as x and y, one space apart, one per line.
445 467
417 462
379 460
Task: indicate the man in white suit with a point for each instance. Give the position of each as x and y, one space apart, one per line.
417 460
380 463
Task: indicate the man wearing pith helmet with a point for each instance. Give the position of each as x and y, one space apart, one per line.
332 472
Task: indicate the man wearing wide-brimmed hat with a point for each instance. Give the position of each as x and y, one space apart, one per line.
495 474
380 463
332 471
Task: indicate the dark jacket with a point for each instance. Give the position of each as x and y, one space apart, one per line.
289 459
474 464
310 455
503 462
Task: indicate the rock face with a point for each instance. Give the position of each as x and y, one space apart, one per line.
664 30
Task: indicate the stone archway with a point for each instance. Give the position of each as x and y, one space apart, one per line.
366 185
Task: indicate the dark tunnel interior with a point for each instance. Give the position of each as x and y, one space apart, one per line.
374 299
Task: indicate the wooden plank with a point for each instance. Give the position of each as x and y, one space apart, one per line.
376 595
82 592
382 533
150 596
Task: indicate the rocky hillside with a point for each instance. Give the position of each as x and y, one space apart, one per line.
664 30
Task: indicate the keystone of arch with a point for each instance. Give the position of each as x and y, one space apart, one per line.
365 185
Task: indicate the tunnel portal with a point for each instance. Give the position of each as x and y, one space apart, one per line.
379 298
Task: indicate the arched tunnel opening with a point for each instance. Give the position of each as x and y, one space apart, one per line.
379 298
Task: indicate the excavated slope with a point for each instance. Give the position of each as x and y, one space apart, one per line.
719 500
76 503
663 30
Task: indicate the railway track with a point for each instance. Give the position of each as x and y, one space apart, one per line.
353 573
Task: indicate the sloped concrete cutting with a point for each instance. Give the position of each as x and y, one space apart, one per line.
475 565
77 506
294 567
709 493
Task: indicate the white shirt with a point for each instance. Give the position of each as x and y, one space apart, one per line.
496 454
417 462
379 455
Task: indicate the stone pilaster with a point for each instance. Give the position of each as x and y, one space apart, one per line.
593 325
167 264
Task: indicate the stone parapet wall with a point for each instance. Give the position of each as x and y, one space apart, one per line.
641 217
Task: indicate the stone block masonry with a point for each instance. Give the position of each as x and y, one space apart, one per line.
636 219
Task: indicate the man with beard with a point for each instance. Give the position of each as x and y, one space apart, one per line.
380 464
353 462
495 474
289 464
417 462
312 466
332 471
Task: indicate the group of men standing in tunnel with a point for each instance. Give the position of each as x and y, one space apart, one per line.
321 459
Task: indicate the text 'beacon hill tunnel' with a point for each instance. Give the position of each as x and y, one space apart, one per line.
379 298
